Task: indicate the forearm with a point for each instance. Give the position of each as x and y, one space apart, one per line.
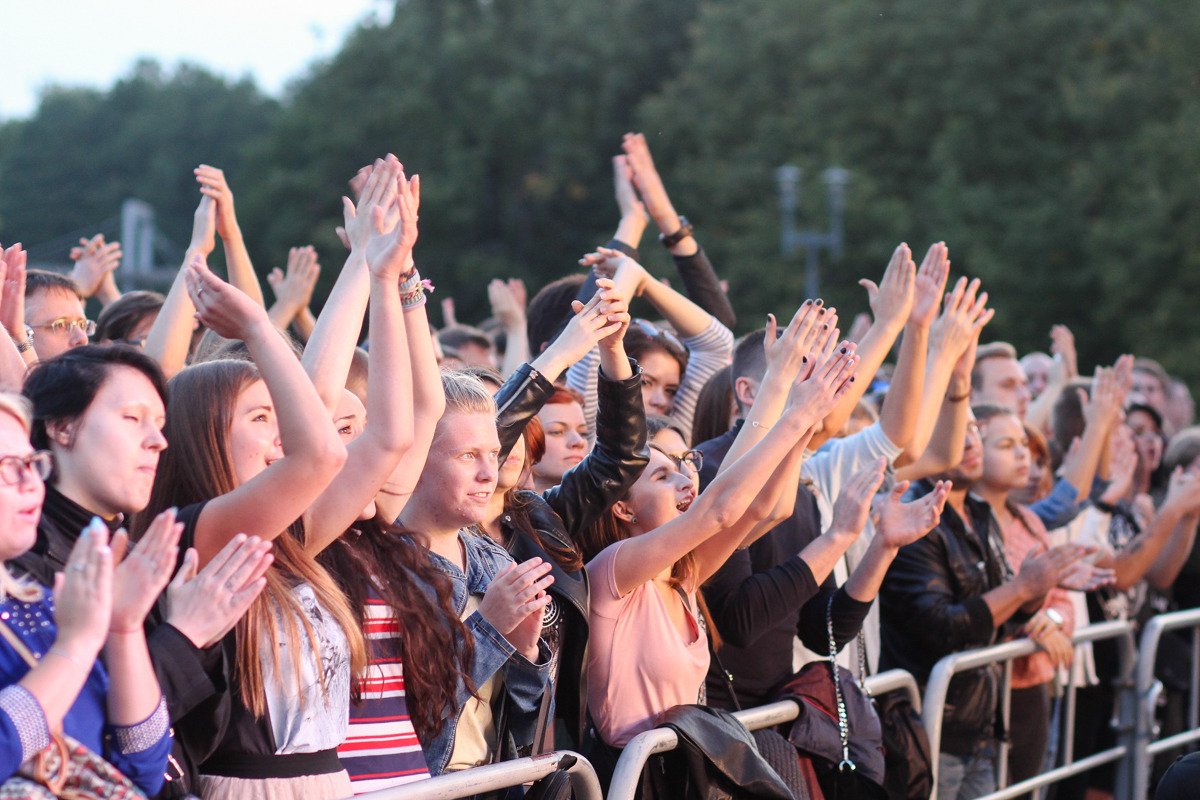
823 553
1170 561
1080 471
241 271
1009 598
303 323
1039 411
1134 561
12 365
281 314
777 500
170 337
330 349
944 449
903 407
58 679
630 230
107 293
872 350
390 378
516 349
768 406
939 383
687 318
703 287
864 583
133 690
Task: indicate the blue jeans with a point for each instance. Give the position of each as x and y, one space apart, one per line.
966 777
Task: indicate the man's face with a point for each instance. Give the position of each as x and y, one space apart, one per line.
50 313
461 471
1003 383
970 469
1148 390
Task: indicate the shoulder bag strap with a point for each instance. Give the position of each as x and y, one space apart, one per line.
843 721
22 649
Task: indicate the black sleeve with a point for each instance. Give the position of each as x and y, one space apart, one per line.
187 674
745 604
621 452
848 615
517 401
703 288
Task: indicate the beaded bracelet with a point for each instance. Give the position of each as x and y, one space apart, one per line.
416 298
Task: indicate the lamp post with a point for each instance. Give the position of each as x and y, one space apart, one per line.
788 178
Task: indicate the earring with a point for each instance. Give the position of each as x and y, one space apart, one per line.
633 521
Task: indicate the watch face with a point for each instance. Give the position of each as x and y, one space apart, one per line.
1055 616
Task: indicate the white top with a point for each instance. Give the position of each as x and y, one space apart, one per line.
304 717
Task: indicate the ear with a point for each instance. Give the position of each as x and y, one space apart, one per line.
624 512
62 433
745 390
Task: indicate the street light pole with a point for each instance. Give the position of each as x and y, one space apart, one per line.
788 179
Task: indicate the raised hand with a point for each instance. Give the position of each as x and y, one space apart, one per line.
94 260
295 288
789 354
892 299
83 594
204 227
1062 347
614 308
1183 491
853 505
1087 577
378 191
12 302
591 324
901 523
507 299
1103 408
389 250
814 396
627 200
930 284
965 314
220 306
140 576
645 176
204 607
513 596
212 184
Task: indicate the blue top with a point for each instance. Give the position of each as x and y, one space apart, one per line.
139 751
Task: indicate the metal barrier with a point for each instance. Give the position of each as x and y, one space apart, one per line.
492 777
660 740
1146 747
948 667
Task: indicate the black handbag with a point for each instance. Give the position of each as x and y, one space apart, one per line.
908 763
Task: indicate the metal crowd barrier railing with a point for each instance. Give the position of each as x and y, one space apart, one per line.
660 740
493 777
1004 653
1148 689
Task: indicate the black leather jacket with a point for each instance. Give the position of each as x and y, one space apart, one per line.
587 490
931 605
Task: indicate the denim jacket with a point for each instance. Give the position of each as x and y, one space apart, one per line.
524 683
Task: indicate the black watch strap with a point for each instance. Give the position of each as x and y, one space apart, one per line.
685 230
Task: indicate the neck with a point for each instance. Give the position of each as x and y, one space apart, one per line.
541 484
956 500
438 535
78 495
495 509
996 497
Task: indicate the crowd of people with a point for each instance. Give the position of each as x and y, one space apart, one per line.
249 554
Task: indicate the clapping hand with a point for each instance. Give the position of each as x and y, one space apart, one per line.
204 607
83 595
294 289
140 577
901 523
94 261
892 300
514 601
224 308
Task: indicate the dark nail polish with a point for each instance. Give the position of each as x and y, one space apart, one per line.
803 359
808 302
820 302
843 350
822 311
852 377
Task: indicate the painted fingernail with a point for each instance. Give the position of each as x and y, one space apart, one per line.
803 359
825 327
820 302
808 302
852 377
843 350
822 311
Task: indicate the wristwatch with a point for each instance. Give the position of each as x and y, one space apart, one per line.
1055 617
27 344
685 230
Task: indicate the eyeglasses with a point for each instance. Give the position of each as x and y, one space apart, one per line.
65 325
13 469
692 459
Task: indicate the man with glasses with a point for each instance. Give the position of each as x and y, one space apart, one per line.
54 317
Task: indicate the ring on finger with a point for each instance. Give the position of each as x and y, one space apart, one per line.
78 567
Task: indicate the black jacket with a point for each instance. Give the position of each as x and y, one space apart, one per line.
587 490
931 605
188 675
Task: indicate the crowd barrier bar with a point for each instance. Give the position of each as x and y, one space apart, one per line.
660 740
492 777
1148 689
1124 720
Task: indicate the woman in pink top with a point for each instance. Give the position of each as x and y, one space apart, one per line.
1006 464
650 552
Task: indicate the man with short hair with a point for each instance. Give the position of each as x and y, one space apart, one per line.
998 378
954 590
54 316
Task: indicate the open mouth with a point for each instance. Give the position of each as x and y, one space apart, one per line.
685 504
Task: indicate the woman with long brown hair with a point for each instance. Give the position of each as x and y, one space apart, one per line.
252 449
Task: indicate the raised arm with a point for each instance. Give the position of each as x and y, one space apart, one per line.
12 365
12 302
95 263
890 302
721 508
237 258
375 453
313 453
699 279
507 299
1066 367
170 337
1101 412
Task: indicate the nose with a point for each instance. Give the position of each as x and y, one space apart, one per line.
156 442
658 401
575 441
489 470
78 337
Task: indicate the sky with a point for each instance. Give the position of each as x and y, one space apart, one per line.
89 43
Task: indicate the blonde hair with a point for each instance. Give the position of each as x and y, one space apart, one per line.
20 409
466 394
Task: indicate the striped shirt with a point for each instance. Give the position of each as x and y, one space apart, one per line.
381 749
